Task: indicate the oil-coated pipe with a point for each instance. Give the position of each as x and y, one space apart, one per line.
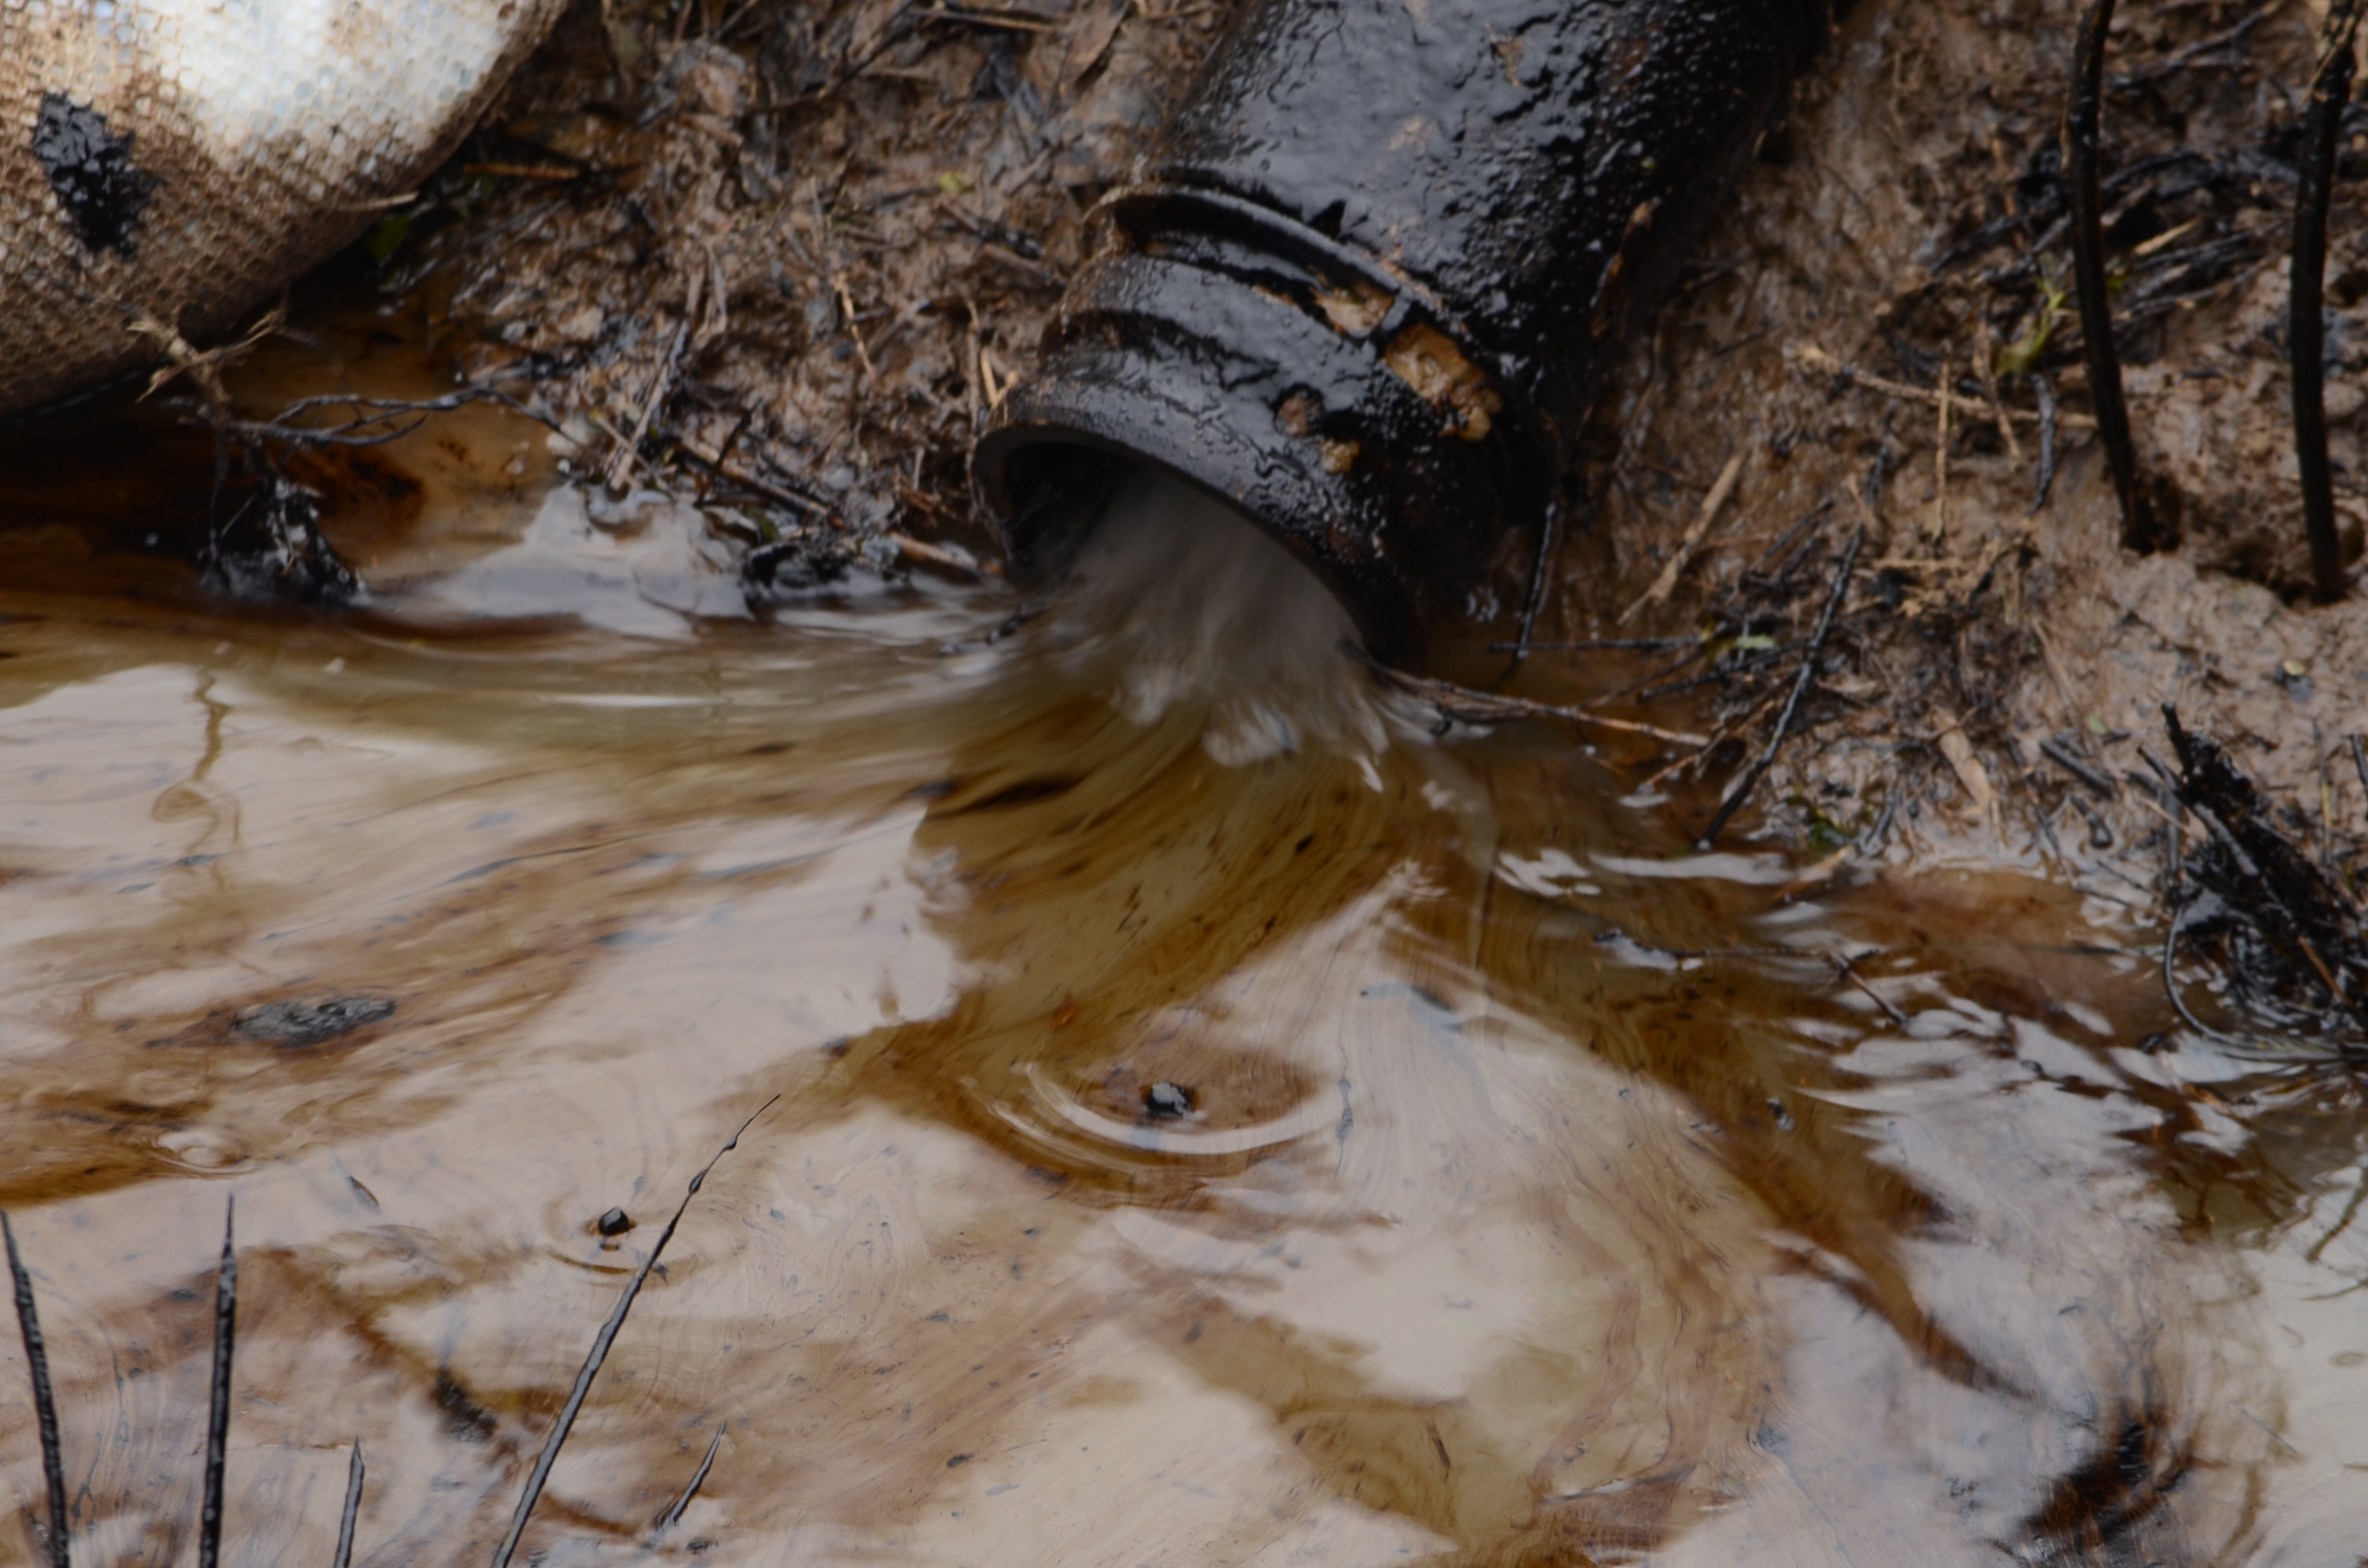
1375 271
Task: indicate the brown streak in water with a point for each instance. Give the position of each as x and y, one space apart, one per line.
1485 1242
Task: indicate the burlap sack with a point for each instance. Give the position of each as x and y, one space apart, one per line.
165 165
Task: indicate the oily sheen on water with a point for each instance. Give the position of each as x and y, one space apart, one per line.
1221 1120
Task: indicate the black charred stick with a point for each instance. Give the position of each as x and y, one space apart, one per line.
2099 834
2274 886
2331 92
599 1353
2045 391
1801 683
2064 758
2174 875
698 1479
2139 529
1784 540
354 1474
44 1398
1549 535
1650 645
2231 39
219 1411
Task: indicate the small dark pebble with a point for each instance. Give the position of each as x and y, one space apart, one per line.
1165 1101
308 1023
615 1222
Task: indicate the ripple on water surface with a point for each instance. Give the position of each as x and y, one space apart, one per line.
1220 1120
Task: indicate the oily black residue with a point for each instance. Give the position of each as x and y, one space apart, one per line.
464 1418
90 168
2100 1504
268 544
2295 950
1026 792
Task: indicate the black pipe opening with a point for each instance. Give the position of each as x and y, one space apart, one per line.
1376 271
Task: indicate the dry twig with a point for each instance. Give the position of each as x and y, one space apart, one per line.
1816 359
1801 683
661 383
1713 503
1469 706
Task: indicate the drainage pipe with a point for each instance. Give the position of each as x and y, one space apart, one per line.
1376 270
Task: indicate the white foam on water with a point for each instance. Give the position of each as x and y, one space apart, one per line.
1183 604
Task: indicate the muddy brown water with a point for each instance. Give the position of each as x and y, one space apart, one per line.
1545 1195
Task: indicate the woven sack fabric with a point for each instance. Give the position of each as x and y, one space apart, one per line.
167 166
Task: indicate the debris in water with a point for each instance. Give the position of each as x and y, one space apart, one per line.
1165 1101
271 547
310 1024
2293 949
800 560
698 1479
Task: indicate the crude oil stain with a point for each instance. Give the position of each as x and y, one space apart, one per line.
90 169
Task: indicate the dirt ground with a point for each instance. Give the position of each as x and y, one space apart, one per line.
797 250
1911 226
786 256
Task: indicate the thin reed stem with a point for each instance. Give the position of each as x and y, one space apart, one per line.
44 1400
2140 530
2331 91
599 1353
353 1473
698 1479
1540 570
218 1412
1801 683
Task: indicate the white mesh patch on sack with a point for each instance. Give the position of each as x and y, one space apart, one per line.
173 162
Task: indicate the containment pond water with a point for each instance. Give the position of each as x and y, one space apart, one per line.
1207 1112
